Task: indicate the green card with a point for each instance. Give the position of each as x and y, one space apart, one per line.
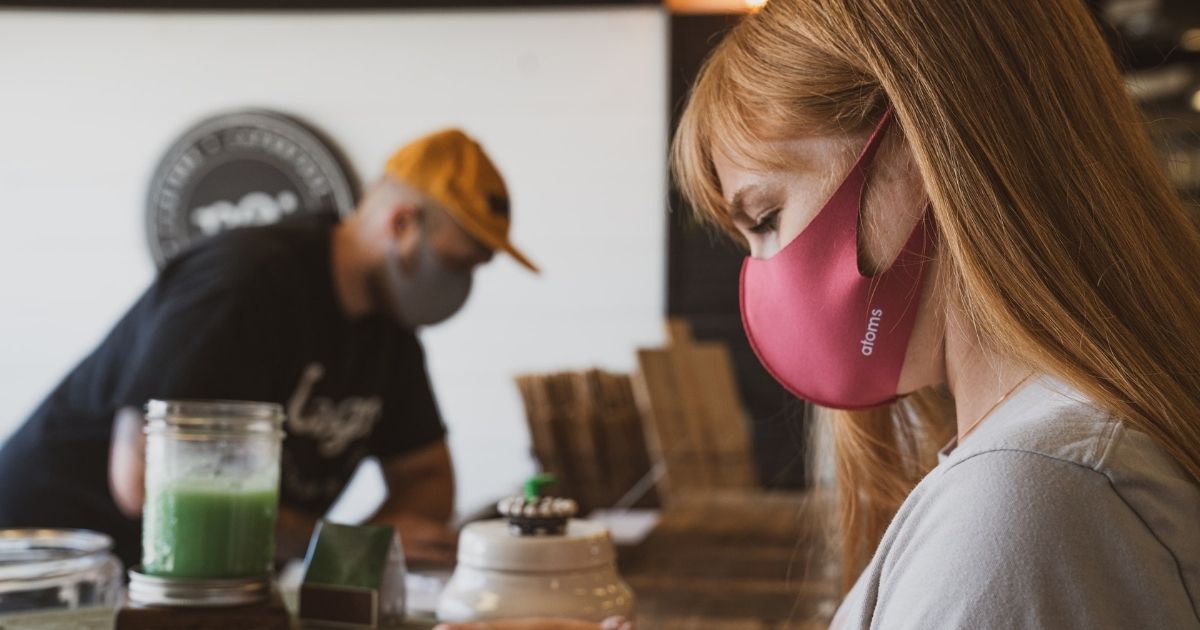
354 574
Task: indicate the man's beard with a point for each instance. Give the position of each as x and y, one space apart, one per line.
378 295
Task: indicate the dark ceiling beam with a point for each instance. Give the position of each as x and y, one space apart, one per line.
315 5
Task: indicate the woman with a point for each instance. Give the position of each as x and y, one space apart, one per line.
1006 235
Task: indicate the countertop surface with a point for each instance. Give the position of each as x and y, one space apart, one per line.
734 561
103 619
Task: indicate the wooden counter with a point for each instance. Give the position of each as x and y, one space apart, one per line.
734 561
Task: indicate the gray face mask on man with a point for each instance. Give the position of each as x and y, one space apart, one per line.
429 293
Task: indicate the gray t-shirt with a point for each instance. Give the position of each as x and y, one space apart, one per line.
1052 514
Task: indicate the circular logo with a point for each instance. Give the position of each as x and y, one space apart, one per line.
243 168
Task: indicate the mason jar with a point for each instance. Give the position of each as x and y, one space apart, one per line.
57 569
212 489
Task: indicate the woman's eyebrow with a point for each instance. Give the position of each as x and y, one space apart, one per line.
743 197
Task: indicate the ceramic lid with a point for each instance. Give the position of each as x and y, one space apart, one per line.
490 545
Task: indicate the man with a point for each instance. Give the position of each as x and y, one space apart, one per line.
312 313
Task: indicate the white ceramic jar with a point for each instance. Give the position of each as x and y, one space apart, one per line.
502 575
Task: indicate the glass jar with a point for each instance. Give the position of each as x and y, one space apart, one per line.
57 569
212 488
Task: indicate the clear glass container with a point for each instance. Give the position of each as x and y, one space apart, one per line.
212 488
57 569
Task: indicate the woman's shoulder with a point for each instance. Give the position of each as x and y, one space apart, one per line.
1055 492
1039 541
1053 446
1046 418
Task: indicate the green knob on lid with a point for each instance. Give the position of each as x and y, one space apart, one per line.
537 483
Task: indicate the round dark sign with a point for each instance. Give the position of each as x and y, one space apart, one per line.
242 168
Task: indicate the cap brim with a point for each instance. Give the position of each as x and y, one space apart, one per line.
495 241
511 250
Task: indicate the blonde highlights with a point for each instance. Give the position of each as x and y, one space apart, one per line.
1060 237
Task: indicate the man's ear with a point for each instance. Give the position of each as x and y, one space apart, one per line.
402 219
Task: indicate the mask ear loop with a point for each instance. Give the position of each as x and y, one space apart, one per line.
923 233
867 155
866 159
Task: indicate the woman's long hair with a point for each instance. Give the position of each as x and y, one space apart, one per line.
1060 237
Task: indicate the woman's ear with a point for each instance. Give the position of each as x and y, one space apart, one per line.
894 200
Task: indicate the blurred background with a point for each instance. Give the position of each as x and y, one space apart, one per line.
575 101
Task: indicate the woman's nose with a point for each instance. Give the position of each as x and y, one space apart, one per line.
763 248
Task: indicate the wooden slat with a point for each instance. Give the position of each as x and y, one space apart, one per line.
725 429
578 418
691 399
693 414
669 434
586 427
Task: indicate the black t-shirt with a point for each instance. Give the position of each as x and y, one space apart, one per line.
250 314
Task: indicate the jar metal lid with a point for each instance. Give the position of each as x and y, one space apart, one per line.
215 416
151 590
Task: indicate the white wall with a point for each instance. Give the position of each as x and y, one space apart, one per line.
571 104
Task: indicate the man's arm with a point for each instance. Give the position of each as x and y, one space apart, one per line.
420 483
292 533
201 332
420 502
126 461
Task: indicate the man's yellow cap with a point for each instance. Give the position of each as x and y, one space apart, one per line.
453 171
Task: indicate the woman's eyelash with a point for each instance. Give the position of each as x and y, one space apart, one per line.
767 224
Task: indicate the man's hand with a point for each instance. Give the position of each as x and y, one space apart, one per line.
612 623
425 540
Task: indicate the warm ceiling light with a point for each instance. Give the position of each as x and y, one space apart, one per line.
1191 39
714 6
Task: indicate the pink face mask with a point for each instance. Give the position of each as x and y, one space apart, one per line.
827 333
